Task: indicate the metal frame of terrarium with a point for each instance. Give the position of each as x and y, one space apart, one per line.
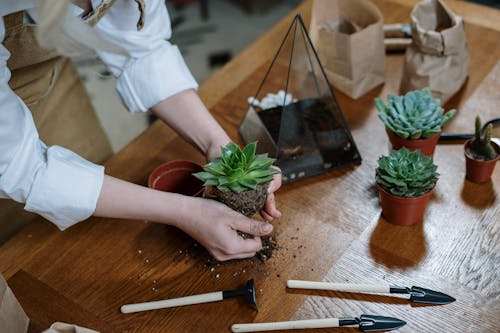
307 136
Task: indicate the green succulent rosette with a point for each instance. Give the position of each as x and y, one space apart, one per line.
238 170
406 174
415 115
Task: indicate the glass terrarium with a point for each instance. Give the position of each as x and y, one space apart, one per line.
295 116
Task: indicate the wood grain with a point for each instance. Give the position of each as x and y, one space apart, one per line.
330 230
46 306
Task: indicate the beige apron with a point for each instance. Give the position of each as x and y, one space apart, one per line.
61 108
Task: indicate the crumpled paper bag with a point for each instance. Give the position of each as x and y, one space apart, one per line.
12 317
67 328
438 58
349 39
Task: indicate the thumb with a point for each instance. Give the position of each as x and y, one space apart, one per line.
253 227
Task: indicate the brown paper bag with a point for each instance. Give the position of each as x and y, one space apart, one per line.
12 317
349 39
438 57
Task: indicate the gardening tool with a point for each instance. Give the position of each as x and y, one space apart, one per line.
397 36
462 136
248 292
366 323
417 294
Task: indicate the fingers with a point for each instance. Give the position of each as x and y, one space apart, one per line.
225 257
252 227
270 212
242 248
276 182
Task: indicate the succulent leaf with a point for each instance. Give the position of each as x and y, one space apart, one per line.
407 174
415 115
238 170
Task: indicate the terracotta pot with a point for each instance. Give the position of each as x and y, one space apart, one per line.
478 171
400 210
177 177
426 146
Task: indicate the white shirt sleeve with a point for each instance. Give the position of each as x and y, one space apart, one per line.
154 69
52 181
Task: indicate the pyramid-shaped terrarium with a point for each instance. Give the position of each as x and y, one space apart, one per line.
295 116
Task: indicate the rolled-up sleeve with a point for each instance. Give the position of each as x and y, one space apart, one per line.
154 69
52 181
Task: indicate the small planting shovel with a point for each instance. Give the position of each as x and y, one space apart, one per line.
248 292
417 294
466 136
365 323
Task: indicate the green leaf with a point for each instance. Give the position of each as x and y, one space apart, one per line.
249 151
416 135
203 176
228 151
211 182
237 188
214 168
448 116
250 183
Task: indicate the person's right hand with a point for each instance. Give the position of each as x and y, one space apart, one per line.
214 226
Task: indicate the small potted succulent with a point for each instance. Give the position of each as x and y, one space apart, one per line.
414 120
239 178
481 155
405 180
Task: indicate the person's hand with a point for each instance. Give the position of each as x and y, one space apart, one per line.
270 212
214 225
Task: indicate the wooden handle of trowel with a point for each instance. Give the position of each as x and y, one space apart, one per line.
394 30
397 44
348 287
286 325
168 303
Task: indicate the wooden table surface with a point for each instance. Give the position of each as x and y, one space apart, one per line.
331 227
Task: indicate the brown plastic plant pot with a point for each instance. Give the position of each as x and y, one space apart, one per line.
479 171
400 210
426 146
177 177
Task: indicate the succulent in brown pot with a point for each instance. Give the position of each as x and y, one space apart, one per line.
405 180
481 154
240 178
414 120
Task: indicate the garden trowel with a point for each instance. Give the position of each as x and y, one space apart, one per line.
248 292
417 294
365 323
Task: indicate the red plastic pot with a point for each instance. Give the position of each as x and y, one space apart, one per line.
479 171
177 177
426 146
400 210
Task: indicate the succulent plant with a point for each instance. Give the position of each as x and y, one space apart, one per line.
238 170
406 174
480 147
415 115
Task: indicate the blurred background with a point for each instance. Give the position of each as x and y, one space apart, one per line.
208 33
